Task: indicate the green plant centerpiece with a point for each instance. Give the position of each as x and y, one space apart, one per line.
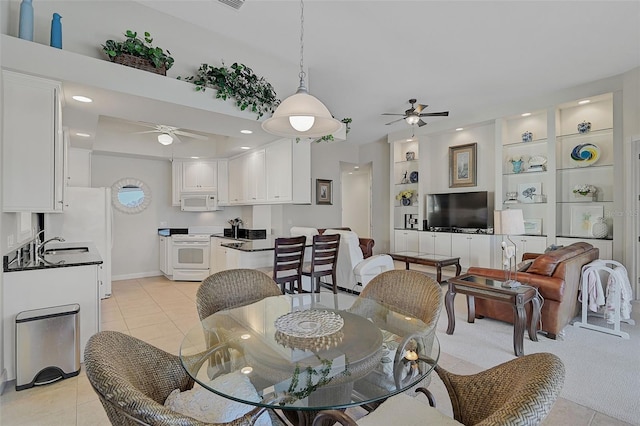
136 52
237 81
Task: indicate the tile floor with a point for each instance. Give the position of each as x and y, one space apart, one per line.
160 312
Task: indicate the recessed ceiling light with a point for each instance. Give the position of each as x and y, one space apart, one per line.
246 132
586 101
526 114
350 173
245 147
459 128
83 135
195 158
246 370
356 167
82 99
409 140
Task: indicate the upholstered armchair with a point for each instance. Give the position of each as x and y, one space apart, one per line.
366 244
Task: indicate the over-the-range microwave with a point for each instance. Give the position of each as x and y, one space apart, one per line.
199 201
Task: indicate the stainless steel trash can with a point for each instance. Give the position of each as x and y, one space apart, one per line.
47 345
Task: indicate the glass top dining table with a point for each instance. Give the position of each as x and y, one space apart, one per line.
311 352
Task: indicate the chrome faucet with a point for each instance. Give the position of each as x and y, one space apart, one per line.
40 251
38 247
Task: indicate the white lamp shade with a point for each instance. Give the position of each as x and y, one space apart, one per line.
165 139
508 222
301 104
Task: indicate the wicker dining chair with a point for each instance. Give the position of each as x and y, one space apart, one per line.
233 288
519 392
133 379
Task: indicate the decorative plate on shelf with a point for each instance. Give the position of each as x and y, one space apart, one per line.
537 160
309 323
413 177
585 154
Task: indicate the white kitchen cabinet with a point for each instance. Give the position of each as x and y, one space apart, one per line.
406 240
523 243
79 166
472 249
435 243
43 288
176 182
256 189
223 182
279 168
223 258
33 160
164 252
237 180
199 176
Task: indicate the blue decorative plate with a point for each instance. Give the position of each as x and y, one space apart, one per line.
413 177
585 154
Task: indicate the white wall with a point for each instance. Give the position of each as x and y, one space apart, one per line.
377 153
356 206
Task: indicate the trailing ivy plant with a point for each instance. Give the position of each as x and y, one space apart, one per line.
135 46
239 82
326 138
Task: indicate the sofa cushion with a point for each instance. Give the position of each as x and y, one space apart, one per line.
546 264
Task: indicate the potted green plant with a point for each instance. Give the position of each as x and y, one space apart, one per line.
237 81
139 53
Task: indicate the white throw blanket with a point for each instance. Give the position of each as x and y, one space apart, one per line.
618 287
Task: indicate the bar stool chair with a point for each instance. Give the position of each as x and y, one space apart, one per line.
287 262
323 261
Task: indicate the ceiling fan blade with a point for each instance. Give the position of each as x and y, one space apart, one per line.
421 123
419 108
142 123
147 131
435 114
395 121
191 135
390 113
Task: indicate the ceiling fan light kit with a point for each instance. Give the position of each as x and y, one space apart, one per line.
301 115
414 114
165 139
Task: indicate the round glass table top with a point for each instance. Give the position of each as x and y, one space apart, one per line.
310 351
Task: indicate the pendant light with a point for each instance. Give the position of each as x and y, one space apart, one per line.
301 115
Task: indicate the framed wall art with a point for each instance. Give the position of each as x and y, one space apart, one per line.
583 218
462 165
324 191
533 226
527 192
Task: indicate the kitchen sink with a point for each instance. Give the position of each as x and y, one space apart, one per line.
66 250
233 245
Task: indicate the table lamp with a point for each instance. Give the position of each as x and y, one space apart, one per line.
509 222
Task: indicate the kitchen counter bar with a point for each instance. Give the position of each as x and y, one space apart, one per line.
251 245
61 255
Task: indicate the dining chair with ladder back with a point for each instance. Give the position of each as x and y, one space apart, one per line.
287 262
323 261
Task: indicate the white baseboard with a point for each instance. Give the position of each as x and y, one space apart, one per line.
3 380
136 275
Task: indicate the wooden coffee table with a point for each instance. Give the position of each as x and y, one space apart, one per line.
487 288
428 259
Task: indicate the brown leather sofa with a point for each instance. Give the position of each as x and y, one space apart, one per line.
556 274
366 244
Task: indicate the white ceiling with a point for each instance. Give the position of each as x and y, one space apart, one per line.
369 57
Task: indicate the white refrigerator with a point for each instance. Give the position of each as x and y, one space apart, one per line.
87 216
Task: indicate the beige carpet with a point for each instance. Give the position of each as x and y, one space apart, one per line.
602 370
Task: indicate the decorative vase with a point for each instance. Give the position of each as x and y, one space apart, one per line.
405 201
410 155
584 127
599 229
527 137
517 166
56 31
25 30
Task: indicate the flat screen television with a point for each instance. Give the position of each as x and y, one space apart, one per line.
460 210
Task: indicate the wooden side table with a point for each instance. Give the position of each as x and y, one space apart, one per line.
475 286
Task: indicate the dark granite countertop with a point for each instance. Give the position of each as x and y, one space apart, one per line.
58 255
251 245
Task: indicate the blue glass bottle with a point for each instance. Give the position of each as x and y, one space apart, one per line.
25 30
56 31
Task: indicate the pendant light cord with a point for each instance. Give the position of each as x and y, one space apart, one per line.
302 74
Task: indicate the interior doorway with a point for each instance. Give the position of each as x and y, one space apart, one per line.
356 197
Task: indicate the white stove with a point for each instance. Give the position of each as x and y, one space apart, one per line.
190 255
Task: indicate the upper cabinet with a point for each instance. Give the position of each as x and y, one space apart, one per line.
33 161
278 173
199 176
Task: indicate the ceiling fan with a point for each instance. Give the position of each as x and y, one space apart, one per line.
167 134
414 114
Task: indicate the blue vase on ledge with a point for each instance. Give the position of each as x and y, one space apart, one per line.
517 166
56 31
25 29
